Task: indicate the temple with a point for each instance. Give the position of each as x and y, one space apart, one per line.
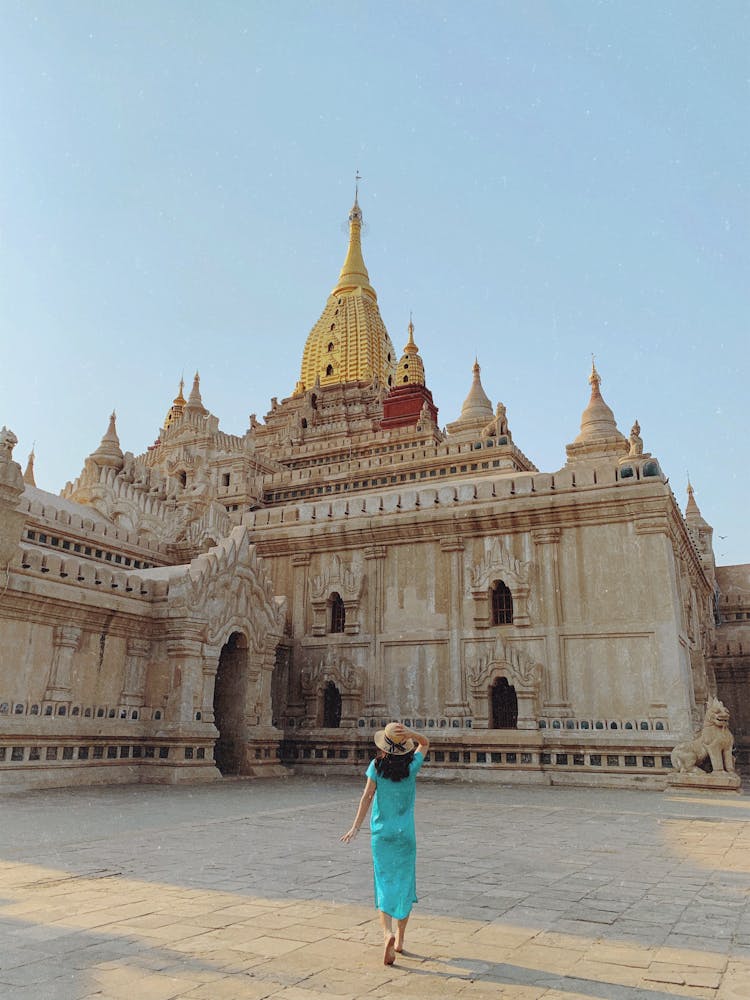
239 604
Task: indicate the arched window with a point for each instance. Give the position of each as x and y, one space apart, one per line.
504 704
329 370
330 347
338 613
331 706
502 604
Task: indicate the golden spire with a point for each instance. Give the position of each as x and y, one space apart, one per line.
354 273
178 405
349 343
410 369
411 347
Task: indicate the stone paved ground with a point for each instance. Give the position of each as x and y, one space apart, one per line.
241 891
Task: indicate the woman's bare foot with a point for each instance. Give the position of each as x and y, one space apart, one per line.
389 951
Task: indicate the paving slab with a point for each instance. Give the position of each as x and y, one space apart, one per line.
242 889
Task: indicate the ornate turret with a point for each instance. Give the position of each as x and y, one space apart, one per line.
109 454
349 343
28 476
410 401
410 369
599 436
176 409
476 411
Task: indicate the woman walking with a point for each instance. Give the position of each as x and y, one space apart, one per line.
391 783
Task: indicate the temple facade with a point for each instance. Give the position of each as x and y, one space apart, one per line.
223 604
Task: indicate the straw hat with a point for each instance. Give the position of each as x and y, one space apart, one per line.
386 739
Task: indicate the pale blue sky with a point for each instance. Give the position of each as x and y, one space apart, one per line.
542 180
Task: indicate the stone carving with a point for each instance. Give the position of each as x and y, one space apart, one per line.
344 579
498 426
11 488
498 564
516 665
714 742
497 561
636 441
226 586
348 678
347 581
8 441
522 672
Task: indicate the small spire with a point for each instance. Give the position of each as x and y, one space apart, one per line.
195 402
411 347
598 420
109 454
410 369
178 405
691 508
595 380
28 476
477 405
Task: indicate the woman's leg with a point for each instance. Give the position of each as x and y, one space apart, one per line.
389 953
400 932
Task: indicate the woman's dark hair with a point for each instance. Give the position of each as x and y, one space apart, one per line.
395 767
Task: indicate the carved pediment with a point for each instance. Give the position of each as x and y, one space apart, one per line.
504 660
497 563
228 586
345 580
348 678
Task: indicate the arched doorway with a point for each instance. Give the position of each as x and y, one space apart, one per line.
331 706
504 704
229 703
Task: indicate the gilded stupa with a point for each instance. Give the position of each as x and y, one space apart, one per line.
349 343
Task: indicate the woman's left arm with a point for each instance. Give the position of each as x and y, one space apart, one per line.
364 805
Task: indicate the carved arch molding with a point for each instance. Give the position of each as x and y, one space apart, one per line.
522 672
497 563
223 591
348 581
348 678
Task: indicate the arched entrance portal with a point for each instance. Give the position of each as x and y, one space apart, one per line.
331 706
504 704
229 703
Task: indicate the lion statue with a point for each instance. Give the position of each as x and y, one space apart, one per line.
714 741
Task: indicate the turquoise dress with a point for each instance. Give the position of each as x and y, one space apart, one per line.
394 843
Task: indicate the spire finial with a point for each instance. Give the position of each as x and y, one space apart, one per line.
354 273
357 179
595 380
